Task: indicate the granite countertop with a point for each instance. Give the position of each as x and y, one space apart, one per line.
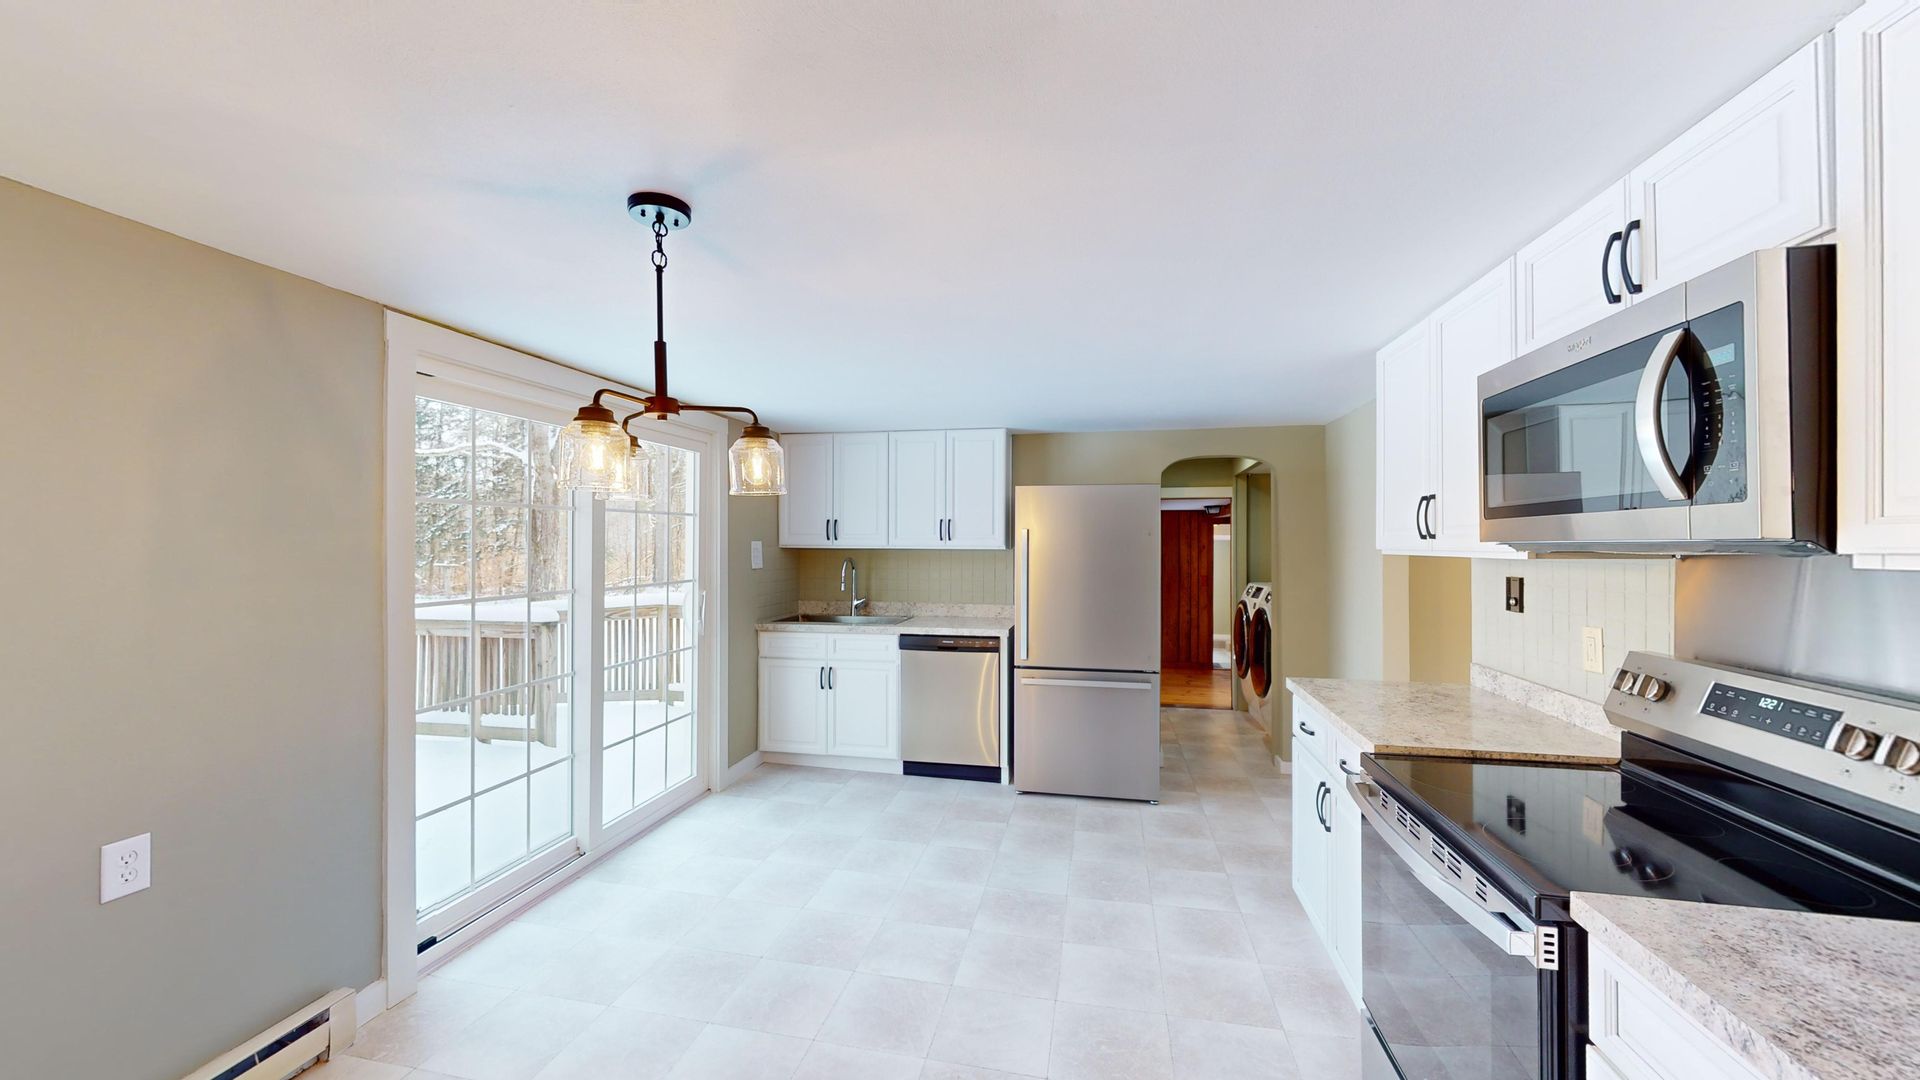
1447 720
1798 996
918 624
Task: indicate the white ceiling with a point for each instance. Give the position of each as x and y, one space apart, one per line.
1044 214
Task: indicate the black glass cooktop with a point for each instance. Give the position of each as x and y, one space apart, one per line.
1649 829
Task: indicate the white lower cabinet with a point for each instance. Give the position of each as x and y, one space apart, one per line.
1641 1035
863 708
1326 841
823 693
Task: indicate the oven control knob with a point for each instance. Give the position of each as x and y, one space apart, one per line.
1903 756
1626 681
1855 742
1654 689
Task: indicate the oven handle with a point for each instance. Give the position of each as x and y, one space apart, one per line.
1647 424
1505 934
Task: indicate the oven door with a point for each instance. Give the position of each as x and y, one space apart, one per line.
1450 969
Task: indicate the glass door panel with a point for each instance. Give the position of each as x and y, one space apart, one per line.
493 662
650 626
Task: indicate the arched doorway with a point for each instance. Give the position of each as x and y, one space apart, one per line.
1215 533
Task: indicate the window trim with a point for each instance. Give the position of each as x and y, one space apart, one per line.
458 368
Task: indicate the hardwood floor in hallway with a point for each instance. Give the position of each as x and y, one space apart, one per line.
1184 687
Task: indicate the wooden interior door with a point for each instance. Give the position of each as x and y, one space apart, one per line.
1186 588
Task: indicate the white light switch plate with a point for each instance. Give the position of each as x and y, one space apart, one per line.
754 555
1590 648
126 866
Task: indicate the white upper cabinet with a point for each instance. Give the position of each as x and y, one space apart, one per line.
806 510
979 488
1877 129
1428 425
1472 335
1754 174
919 468
1403 440
1570 277
837 491
860 490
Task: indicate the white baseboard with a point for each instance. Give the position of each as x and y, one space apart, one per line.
370 1002
737 770
834 761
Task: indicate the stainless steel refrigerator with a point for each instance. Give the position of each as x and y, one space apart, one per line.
1086 703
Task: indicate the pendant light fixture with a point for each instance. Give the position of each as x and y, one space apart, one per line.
598 454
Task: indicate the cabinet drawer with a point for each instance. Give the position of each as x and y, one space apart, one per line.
1643 1035
793 644
862 646
1342 754
1312 733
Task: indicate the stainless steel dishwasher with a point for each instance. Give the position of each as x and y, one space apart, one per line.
950 706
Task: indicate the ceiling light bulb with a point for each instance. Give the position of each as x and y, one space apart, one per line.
756 465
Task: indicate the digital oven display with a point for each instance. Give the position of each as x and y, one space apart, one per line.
1796 720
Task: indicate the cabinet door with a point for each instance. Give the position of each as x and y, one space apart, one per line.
1754 174
917 512
1878 117
1403 441
793 702
864 709
977 489
1561 279
808 504
1343 881
860 490
1311 850
1472 335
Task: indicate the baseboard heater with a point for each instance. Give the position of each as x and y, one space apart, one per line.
315 1033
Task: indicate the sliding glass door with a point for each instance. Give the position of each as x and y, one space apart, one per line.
526 600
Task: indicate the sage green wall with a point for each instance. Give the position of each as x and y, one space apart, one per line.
1356 617
753 596
193 450
1296 534
913 577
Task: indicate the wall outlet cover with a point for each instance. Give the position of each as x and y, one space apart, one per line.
756 557
126 866
1591 648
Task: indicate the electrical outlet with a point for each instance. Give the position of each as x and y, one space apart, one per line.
126 866
1590 648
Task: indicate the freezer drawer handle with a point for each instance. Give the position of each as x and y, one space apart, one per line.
1096 684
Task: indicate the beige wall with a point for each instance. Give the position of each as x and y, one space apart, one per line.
1356 616
1295 523
193 455
753 596
1439 619
1630 600
914 577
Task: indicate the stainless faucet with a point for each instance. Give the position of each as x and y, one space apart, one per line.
847 567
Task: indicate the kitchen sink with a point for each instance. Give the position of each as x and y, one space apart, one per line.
848 620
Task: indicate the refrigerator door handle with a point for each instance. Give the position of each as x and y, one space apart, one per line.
1096 684
1026 590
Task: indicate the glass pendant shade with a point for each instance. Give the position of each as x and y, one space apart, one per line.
756 465
639 485
595 454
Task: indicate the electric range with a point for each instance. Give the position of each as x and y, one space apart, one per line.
1734 787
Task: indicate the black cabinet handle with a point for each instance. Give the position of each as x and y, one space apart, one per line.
1431 499
1606 267
829 678
1626 240
1304 727
822 679
1419 506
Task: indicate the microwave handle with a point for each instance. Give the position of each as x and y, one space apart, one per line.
1647 427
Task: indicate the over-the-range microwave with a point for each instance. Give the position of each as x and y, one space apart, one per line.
1699 420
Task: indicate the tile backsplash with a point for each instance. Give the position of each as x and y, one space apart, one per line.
914 577
1630 600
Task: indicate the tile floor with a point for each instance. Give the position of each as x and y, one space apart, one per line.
809 924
